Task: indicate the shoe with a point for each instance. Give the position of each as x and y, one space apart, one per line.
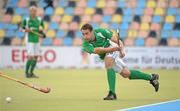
154 81
27 75
110 96
33 75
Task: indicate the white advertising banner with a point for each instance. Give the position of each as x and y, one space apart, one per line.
73 57
153 57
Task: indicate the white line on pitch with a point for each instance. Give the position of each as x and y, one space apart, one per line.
149 105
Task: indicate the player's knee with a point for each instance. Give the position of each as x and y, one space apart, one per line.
35 57
125 73
30 58
109 64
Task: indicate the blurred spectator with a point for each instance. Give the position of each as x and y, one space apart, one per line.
71 34
9 10
49 3
71 3
6 41
4 3
33 3
99 11
47 18
137 18
176 26
163 42
119 11
152 33
76 18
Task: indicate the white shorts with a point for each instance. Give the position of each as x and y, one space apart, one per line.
33 49
118 62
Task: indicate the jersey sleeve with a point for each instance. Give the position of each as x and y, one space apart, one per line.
87 47
106 32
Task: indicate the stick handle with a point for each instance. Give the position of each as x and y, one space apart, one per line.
40 35
44 90
7 77
118 39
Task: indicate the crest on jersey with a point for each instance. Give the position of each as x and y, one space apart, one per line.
100 34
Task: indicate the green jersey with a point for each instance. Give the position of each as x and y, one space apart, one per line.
102 37
34 25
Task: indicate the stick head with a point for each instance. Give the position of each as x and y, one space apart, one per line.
45 90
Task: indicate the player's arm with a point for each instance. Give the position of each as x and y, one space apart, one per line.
98 50
114 39
41 28
23 26
102 50
109 35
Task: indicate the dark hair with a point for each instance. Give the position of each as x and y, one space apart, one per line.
87 27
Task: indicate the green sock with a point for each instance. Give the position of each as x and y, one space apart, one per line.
139 75
28 63
111 79
33 65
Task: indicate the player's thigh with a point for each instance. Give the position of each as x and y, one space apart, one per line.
109 62
30 49
119 65
36 50
109 59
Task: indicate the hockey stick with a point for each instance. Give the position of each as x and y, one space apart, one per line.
40 34
118 39
44 90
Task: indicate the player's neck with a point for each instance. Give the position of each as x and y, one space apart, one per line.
33 16
93 38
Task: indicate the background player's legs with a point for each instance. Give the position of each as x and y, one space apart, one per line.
28 64
36 50
33 64
32 50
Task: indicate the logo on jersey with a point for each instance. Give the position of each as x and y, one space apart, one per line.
100 34
107 31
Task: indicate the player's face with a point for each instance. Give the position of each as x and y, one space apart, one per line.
87 34
33 11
